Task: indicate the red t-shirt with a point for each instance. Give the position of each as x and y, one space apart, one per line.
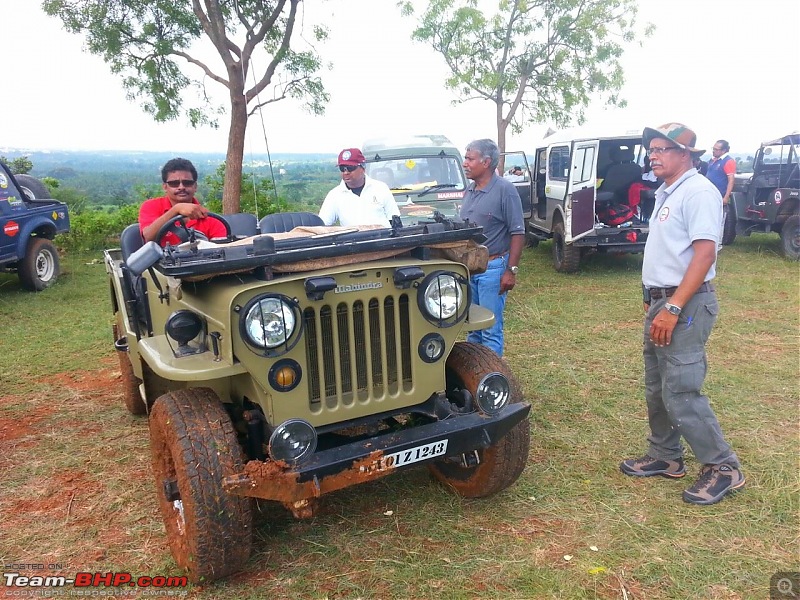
155 207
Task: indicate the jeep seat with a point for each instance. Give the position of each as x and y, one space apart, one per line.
130 240
283 222
242 224
134 289
620 176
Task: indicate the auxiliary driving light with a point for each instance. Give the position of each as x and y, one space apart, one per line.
186 329
293 441
493 393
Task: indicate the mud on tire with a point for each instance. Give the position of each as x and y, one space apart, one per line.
130 383
194 446
502 463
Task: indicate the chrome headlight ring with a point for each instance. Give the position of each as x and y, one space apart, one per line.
493 393
443 298
271 324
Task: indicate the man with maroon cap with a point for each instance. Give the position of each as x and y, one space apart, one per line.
358 199
681 307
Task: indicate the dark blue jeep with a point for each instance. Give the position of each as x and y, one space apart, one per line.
29 220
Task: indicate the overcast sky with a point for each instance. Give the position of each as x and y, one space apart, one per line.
728 70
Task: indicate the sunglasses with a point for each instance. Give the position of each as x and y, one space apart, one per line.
348 168
173 183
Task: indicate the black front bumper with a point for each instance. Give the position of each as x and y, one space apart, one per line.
366 460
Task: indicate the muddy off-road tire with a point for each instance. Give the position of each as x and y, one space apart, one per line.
39 268
728 224
194 446
502 463
130 383
566 257
790 237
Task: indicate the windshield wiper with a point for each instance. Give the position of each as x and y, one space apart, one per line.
431 188
396 189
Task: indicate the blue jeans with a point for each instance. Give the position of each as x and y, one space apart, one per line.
485 292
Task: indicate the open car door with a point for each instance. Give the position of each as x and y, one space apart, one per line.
582 188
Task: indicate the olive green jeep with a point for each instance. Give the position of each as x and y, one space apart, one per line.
288 365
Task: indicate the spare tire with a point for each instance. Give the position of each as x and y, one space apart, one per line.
32 187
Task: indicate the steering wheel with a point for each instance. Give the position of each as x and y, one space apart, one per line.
177 226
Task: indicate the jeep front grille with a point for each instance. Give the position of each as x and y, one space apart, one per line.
357 352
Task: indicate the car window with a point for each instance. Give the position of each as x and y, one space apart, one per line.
779 154
584 165
415 173
558 165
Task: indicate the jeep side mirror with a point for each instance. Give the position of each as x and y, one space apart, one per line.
144 258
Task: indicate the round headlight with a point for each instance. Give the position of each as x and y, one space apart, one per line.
269 322
293 441
442 296
493 393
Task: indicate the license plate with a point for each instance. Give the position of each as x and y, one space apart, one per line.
407 457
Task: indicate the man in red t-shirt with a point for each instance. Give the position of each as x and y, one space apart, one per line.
179 179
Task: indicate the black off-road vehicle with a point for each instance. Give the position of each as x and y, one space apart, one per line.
768 199
29 220
286 366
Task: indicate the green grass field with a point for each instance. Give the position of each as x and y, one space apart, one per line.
77 489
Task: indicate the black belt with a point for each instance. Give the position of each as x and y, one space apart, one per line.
657 293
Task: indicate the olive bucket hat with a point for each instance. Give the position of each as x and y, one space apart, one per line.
677 133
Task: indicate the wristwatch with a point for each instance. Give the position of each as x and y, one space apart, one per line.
673 309
513 269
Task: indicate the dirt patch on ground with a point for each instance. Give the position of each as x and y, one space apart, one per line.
77 485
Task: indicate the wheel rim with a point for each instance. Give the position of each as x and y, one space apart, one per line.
45 265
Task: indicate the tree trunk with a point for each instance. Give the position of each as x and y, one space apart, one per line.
232 189
502 127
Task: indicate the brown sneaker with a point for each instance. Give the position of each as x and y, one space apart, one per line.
713 483
647 466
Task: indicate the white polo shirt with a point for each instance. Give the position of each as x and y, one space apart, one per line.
690 209
375 205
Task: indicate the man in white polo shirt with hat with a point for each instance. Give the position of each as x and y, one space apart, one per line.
681 308
358 199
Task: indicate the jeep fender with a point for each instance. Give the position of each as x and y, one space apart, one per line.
559 215
39 225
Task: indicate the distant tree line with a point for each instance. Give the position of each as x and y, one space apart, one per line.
104 190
